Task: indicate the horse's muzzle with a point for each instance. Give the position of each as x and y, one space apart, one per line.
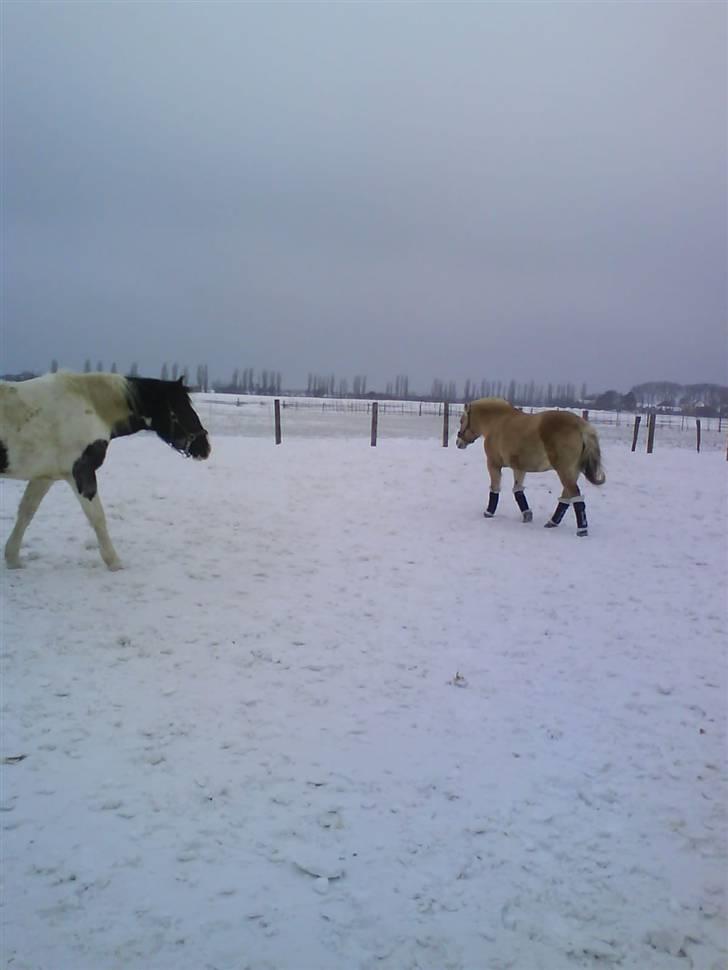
198 447
461 442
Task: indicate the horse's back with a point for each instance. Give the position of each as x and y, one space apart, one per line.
560 422
45 424
535 442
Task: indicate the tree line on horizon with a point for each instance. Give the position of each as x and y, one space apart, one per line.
704 397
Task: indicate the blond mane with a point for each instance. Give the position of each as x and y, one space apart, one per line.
491 405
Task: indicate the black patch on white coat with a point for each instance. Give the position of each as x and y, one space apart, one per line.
3 458
84 468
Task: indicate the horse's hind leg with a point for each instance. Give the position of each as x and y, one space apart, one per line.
582 526
570 495
32 497
520 495
94 512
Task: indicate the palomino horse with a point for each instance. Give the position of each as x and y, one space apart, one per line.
59 426
534 443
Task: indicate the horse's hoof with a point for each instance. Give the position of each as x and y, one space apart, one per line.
550 525
582 532
488 515
115 565
14 564
528 516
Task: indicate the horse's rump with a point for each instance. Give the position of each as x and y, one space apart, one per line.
570 440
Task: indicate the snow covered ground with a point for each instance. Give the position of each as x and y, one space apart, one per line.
330 718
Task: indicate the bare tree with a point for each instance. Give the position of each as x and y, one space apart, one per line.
401 387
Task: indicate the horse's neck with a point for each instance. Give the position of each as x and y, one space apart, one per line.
106 393
490 412
143 398
134 423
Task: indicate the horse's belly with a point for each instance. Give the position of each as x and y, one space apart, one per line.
25 462
543 465
44 449
530 460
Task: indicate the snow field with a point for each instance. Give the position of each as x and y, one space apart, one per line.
330 717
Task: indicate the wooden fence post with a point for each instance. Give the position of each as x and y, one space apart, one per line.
697 430
375 416
651 421
637 419
277 412
446 425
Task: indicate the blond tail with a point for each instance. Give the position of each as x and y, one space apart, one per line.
591 457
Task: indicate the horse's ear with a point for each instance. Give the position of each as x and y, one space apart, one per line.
181 380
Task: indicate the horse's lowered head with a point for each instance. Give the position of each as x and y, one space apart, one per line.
165 407
466 433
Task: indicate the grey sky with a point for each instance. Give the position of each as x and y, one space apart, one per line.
482 190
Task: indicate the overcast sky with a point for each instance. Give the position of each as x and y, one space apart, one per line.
443 190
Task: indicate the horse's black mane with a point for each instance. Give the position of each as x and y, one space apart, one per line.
147 395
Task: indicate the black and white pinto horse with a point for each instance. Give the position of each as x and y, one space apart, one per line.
59 426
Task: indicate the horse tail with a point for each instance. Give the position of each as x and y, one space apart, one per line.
591 457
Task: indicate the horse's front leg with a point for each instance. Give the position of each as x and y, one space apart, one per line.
520 495
32 497
94 512
494 471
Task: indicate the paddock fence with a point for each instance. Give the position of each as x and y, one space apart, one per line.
281 418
